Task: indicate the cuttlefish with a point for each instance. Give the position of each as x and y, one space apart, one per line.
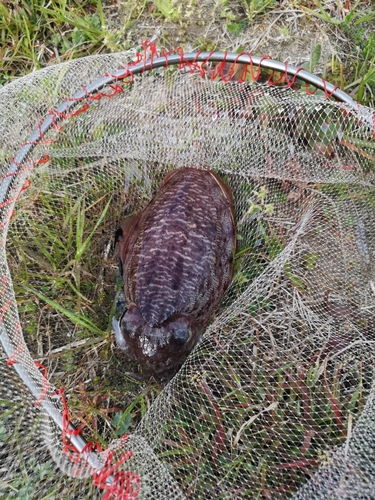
176 261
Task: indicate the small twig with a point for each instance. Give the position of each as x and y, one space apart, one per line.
334 405
271 407
349 434
70 347
357 342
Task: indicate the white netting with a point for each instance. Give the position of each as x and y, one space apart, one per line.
277 399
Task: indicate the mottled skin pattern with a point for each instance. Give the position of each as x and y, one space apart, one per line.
177 261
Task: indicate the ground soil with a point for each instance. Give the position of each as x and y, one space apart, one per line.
286 33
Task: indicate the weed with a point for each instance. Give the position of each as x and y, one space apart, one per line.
168 9
357 75
355 16
254 8
290 412
314 59
27 486
59 244
35 34
238 27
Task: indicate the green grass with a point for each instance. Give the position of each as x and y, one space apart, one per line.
168 9
55 259
254 8
66 294
34 33
356 75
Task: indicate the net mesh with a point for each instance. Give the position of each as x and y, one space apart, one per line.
277 398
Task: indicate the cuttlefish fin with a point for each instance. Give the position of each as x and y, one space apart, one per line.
122 237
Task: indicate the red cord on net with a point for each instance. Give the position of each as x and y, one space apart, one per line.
63 116
28 168
290 82
117 89
166 53
9 214
327 94
9 201
44 140
13 358
138 58
123 484
153 52
45 382
232 69
220 71
283 76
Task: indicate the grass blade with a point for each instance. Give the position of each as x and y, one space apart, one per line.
83 246
78 319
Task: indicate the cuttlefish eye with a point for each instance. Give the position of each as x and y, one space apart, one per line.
131 321
181 329
181 334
